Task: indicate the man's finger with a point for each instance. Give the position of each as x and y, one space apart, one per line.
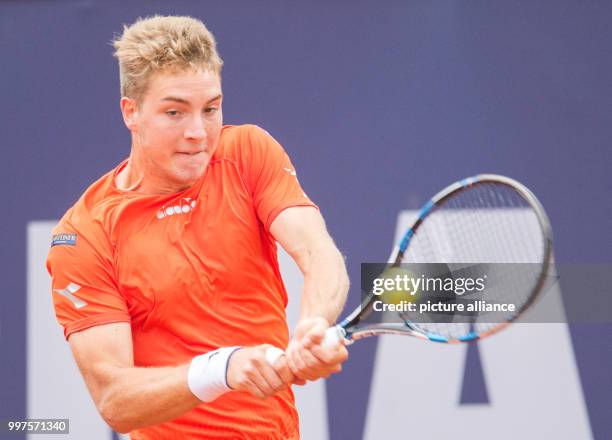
313 368
293 361
314 336
301 365
332 355
260 382
282 369
298 381
273 379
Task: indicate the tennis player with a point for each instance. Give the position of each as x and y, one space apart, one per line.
164 273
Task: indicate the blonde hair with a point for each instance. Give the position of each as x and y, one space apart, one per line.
157 44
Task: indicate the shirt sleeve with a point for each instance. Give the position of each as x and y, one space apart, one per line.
82 280
271 177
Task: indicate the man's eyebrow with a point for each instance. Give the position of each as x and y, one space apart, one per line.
175 99
184 101
219 96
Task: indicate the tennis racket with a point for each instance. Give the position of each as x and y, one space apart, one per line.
486 219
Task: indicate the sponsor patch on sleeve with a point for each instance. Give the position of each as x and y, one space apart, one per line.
64 240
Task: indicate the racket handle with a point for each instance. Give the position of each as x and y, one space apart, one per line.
272 354
333 336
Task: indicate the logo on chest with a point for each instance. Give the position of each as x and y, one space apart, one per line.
181 206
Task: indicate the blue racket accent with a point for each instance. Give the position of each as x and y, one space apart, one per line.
469 337
425 209
406 239
436 338
422 214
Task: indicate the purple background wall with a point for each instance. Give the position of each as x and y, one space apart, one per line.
379 105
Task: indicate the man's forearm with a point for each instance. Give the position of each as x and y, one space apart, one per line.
325 288
302 233
326 282
135 397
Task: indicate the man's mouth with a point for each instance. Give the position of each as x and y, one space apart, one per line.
191 153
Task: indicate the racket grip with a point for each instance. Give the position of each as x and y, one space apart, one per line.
272 354
333 336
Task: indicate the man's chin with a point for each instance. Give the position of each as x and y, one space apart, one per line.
188 177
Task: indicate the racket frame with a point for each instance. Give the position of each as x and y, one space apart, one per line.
348 329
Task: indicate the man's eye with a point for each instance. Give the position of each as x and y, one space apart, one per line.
210 110
172 112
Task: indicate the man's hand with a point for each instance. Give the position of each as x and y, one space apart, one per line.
307 358
248 370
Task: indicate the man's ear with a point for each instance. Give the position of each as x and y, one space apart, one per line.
129 110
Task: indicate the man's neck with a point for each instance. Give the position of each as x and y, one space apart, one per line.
134 177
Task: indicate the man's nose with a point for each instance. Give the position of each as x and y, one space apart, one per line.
196 129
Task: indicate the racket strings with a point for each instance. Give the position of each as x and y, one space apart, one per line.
485 223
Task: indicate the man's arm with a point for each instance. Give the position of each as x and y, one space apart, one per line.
130 397
302 233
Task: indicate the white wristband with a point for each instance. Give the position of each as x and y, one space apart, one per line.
207 376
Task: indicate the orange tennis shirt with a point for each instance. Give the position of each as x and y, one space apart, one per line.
190 272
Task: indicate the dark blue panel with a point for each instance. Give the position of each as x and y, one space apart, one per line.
380 105
474 386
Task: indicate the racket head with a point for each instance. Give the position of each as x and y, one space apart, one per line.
482 219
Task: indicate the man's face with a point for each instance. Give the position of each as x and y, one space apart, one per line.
176 129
